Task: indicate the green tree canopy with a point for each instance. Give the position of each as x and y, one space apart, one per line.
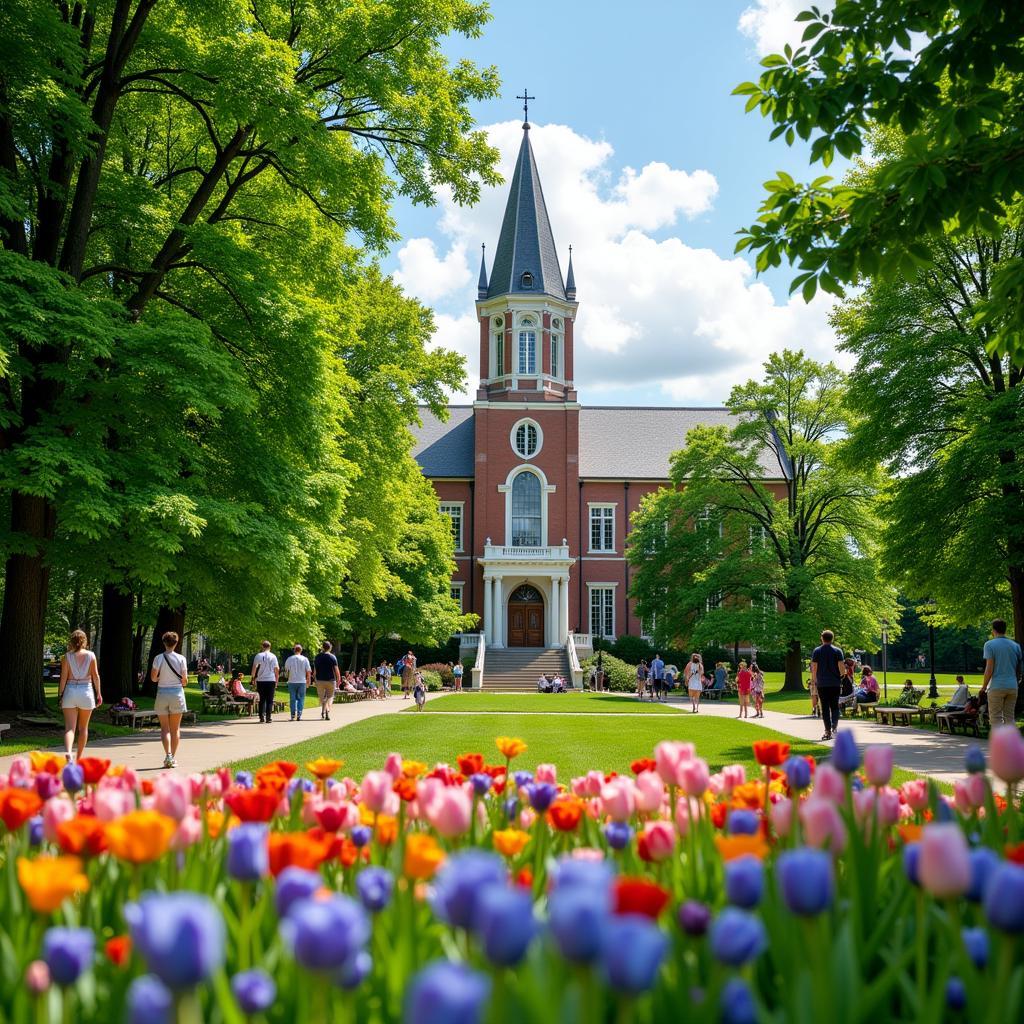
950 78
731 552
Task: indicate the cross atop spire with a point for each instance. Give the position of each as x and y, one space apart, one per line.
526 97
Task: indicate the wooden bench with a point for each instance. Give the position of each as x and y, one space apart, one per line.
713 694
348 697
138 719
896 715
968 722
220 703
4 726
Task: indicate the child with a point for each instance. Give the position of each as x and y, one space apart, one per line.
419 692
757 690
813 687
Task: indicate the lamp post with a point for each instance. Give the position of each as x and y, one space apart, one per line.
885 658
933 686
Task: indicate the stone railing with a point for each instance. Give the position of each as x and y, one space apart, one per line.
477 673
469 639
520 553
575 671
582 641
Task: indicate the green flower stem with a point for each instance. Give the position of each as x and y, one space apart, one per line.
921 949
187 1009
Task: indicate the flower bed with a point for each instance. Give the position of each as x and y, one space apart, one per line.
483 892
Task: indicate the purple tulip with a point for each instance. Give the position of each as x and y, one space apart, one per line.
737 1003
976 943
47 785
354 971
294 884
737 937
149 1002
593 875
323 934
254 991
743 822
457 885
845 755
618 834
911 857
956 994
798 773
522 778
576 921
505 923
35 830
243 779
744 882
1004 899
360 835
481 783
374 887
984 861
73 777
446 993
632 952
68 952
694 918
541 795
248 859
974 760
300 784
511 808
180 935
806 881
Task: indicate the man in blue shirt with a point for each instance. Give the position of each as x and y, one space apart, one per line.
657 677
1002 675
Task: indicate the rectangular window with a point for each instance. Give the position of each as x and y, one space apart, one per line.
602 611
453 509
758 538
456 593
499 355
527 352
602 527
554 356
764 602
713 601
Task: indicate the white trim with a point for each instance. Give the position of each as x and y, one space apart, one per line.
545 490
461 505
591 505
460 586
526 421
533 406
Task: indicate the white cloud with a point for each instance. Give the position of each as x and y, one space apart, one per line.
659 320
770 23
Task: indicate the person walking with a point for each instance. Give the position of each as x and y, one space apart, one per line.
457 673
299 674
828 668
327 676
1002 675
265 673
744 678
642 672
757 690
170 673
694 676
78 692
408 674
657 676
203 674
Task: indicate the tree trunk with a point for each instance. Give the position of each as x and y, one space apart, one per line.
369 653
794 681
22 619
137 638
353 661
1017 605
115 661
167 619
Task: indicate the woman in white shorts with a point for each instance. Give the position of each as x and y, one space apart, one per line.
694 673
170 673
78 692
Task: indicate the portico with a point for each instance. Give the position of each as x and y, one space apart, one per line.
510 572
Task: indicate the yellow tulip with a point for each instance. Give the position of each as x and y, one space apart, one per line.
49 881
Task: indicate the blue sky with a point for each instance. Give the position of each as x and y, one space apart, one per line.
649 167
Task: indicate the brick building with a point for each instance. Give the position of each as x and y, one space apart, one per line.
540 487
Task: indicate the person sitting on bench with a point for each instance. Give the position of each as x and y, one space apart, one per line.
238 691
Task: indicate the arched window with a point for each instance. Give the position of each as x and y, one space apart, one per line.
526 511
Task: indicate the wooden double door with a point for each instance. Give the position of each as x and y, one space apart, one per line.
526 617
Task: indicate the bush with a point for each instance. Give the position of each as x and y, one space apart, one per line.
618 675
431 679
441 669
631 649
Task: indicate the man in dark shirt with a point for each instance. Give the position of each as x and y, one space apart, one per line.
327 676
827 670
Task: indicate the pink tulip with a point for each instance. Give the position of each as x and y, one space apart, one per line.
224 774
619 798
660 839
197 784
595 783
716 785
829 784
213 785
669 756
961 801
5 781
693 776
21 769
864 805
915 793
427 791
451 811
110 803
579 787
393 766
878 764
887 806
527 816
733 775
650 792
944 866
977 789
546 773
1006 753
781 814
587 853
687 811
55 811
189 831
906 812
375 790
172 796
823 825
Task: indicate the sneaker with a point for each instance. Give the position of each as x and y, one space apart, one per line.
292 719
827 736
173 764
168 761
327 717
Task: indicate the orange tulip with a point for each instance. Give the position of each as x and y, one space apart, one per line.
323 767
731 847
509 746
271 780
565 813
296 849
470 764
42 762
909 832
214 823
140 836
509 842
423 856
749 795
118 949
82 834
285 768
770 753
387 829
49 881
94 768
405 788
17 806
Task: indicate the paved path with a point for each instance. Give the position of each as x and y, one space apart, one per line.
208 745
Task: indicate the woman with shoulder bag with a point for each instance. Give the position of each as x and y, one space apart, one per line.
78 692
170 673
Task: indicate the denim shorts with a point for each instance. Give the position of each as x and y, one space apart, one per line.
79 695
170 700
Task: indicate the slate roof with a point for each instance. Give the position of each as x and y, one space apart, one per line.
616 442
526 242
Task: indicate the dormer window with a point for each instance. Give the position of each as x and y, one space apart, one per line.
526 280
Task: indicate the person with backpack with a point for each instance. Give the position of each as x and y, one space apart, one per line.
408 663
264 674
170 673
327 676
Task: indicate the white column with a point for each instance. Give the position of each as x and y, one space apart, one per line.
563 611
499 614
488 611
551 626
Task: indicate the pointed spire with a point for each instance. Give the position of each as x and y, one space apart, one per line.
481 288
570 280
526 260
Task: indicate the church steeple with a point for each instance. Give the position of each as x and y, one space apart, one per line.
570 280
481 288
526 260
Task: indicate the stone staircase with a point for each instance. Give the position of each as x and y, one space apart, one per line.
517 668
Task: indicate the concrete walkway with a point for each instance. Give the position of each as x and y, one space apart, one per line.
207 745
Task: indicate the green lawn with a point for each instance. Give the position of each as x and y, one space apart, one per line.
575 745
588 703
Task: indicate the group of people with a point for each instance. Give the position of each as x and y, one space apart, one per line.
551 684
